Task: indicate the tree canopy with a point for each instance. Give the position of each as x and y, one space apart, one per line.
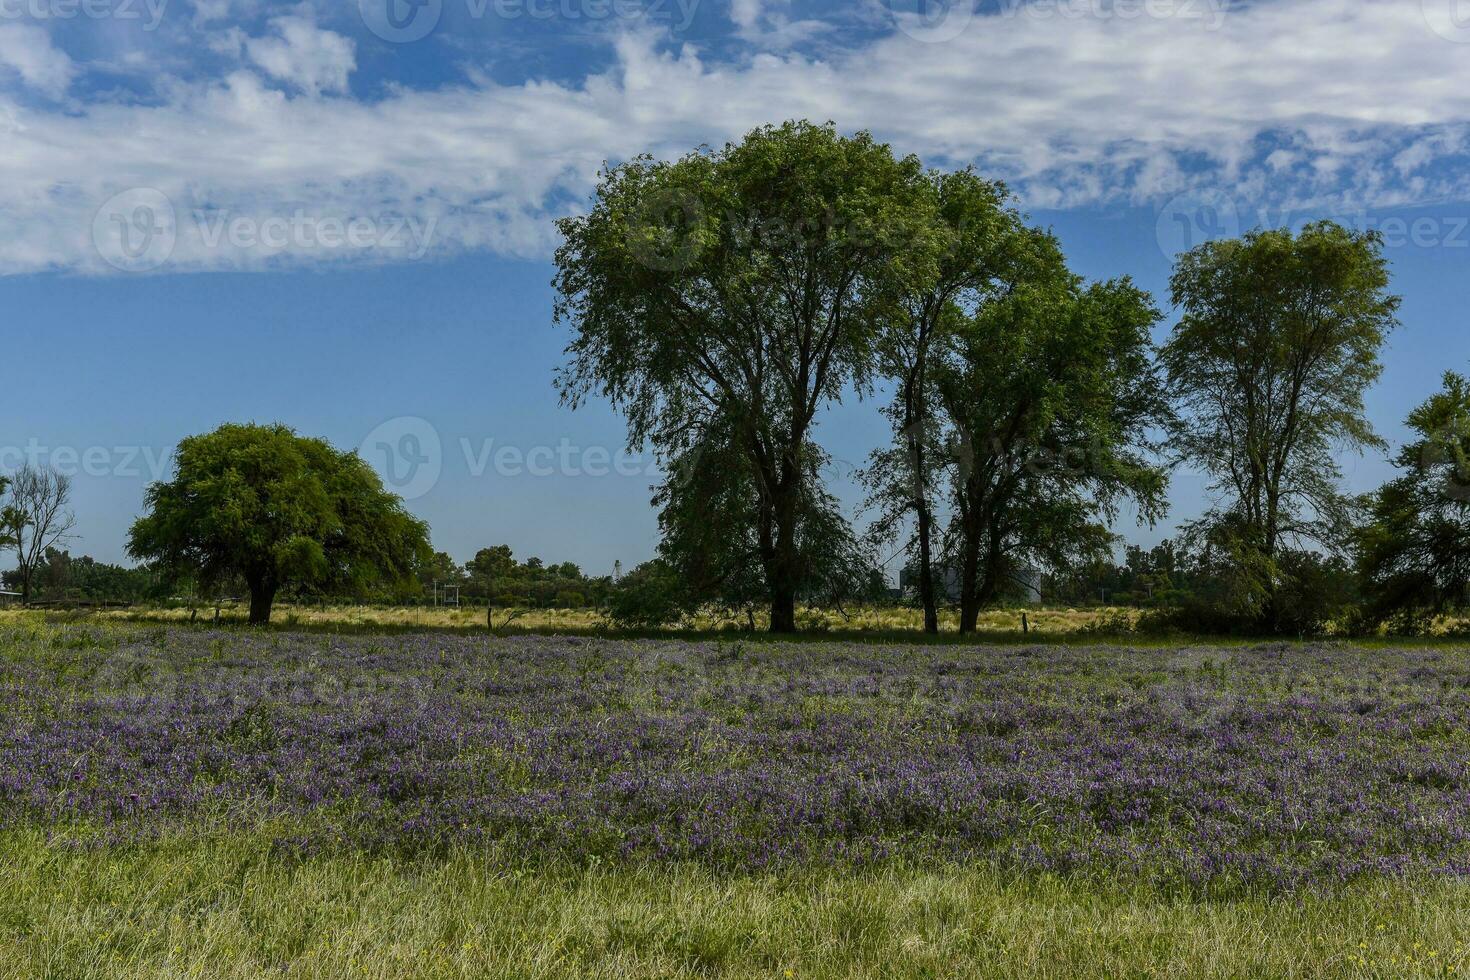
1278 341
1414 552
740 291
276 509
1051 393
984 250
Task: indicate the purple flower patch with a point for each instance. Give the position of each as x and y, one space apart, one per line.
1274 766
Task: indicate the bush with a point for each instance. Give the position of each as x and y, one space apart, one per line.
649 596
1318 594
1315 594
1113 622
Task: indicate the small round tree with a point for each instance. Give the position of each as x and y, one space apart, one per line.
275 509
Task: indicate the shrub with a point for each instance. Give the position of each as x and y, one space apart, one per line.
649 596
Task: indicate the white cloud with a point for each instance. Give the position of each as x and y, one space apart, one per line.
27 50
1295 101
304 55
758 23
746 13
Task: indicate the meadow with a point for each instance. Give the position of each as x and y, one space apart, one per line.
866 623
895 619
190 801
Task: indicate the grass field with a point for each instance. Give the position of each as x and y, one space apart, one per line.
180 801
896 623
228 908
863 619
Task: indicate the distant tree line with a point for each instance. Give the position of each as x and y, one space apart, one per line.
494 577
59 577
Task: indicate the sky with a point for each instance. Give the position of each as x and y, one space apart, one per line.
340 215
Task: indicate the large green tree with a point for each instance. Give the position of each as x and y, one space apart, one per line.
1278 341
1051 393
277 509
1414 553
739 291
983 250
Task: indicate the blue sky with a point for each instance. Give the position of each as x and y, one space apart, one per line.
339 216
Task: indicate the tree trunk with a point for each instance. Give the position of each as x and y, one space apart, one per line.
27 571
262 597
979 590
913 431
1272 609
783 611
777 534
784 574
926 569
969 582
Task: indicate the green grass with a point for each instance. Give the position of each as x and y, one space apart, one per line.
226 908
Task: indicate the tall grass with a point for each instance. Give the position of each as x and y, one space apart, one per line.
226 908
875 619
